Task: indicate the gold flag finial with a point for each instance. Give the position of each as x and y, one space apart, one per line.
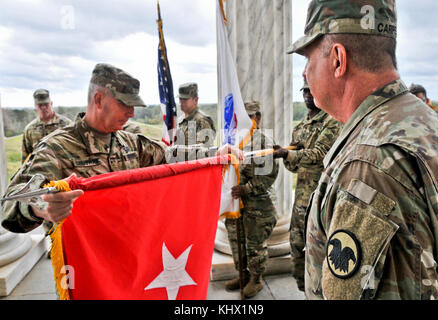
158 10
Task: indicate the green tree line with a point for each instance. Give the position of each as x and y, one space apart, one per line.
15 119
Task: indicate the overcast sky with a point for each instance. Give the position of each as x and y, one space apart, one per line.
56 44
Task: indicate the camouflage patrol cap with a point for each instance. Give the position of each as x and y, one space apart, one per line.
41 96
188 90
123 86
417 88
252 107
372 17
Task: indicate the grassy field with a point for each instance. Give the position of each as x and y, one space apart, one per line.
13 154
151 131
13 146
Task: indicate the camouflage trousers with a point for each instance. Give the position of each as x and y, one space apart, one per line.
255 228
297 244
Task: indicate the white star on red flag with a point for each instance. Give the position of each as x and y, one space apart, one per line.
174 274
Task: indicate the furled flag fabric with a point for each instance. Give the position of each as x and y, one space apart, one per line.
140 234
236 122
165 87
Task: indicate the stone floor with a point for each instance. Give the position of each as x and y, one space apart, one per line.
38 284
277 287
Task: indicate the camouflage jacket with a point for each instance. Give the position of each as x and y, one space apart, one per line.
38 129
315 137
132 127
196 128
372 226
81 150
257 175
195 137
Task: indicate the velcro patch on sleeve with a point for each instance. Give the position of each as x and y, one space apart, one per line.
358 237
362 191
371 196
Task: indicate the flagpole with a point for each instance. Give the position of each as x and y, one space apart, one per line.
160 30
264 152
165 85
239 253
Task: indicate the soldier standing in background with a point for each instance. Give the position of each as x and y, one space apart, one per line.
258 216
372 226
420 92
195 133
46 122
313 137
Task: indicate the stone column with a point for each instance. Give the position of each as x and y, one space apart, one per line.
18 252
12 245
259 32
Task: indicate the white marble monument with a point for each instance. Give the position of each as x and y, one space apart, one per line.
18 252
259 32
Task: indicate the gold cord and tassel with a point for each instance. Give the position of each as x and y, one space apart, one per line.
56 251
235 163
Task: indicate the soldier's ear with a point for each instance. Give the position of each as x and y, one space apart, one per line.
98 98
339 60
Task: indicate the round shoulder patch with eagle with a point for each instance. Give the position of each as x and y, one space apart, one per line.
343 254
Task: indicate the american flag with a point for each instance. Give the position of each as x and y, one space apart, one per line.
165 87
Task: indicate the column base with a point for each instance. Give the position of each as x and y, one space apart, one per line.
278 242
222 267
13 273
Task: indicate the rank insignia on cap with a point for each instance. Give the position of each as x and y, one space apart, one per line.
343 254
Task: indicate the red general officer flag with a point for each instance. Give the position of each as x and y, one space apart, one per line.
141 234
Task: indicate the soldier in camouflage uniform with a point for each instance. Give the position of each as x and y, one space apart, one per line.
258 216
93 145
46 122
373 220
196 132
129 126
313 137
421 93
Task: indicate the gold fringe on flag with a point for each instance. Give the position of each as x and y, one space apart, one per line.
57 257
56 250
236 165
248 137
